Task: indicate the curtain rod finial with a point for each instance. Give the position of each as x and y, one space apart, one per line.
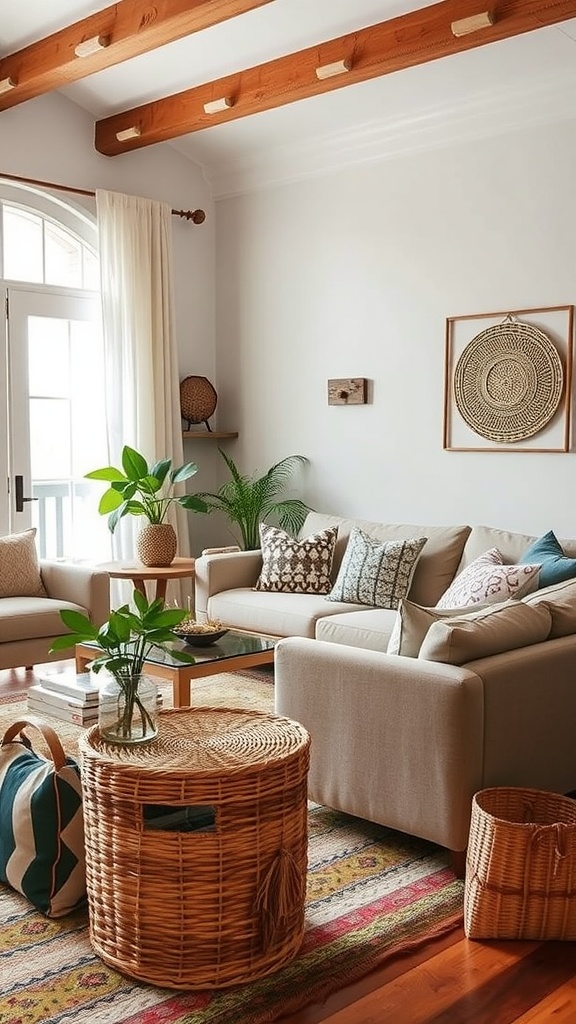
196 216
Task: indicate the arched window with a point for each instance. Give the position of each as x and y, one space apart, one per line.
53 373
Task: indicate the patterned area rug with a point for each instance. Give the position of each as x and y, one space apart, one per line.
372 893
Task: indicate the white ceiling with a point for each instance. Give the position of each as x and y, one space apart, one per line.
494 87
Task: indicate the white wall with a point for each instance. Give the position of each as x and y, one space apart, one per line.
353 275
50 138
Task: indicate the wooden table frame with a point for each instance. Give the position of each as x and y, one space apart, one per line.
181 675
179 568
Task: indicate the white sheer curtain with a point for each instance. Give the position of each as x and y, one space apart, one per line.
142 383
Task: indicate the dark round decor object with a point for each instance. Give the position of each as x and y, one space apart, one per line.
198 400
200 639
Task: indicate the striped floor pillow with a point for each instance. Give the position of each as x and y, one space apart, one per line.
41 821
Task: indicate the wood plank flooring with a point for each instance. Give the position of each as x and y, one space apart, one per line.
453 980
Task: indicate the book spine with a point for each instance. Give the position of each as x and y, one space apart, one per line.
61 700
70 688
66 714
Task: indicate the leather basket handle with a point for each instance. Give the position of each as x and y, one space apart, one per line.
51 737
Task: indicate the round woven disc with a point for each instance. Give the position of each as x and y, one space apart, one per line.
508 382
197 399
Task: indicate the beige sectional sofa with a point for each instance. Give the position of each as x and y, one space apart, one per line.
407 741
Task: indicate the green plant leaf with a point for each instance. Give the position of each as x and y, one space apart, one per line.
77 622
107 473
110 500
160 470
133 463
177 476
193 503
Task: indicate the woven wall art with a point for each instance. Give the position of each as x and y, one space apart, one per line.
508 387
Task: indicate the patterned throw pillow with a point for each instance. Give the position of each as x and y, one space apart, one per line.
376 573
19 569
296 566
488 581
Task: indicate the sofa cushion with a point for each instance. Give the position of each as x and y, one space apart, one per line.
31 618
560 598
438 560
376 573
19 569
555 565
368 628
510 545
413 622
296 566
274 614
495 629
488 581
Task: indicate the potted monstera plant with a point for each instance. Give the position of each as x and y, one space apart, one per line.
148 491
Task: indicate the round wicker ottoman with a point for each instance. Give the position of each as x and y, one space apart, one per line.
196 847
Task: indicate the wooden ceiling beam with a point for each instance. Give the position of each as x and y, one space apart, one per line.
127 29
410 39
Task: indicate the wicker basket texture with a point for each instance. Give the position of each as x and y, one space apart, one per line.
198 399
521 866
206 908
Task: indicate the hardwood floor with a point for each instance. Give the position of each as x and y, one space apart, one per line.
453 980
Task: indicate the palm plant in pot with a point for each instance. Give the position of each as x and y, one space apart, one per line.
246 501
127 710
142 490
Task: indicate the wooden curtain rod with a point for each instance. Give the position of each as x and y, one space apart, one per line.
196 216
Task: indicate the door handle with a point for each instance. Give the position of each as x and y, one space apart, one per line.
19 493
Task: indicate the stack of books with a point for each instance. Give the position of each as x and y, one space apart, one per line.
64 694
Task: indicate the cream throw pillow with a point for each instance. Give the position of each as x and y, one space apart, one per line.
560 598
413 622
376 573
19 569
488 581
493 630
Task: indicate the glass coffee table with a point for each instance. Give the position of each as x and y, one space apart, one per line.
232 653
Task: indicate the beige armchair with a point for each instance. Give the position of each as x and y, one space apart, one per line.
29 624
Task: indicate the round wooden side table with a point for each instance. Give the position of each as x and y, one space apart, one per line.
179 569
196 847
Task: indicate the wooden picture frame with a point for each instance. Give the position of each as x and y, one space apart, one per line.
557 323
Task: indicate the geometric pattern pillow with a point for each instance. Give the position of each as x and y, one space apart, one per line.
488 581
19 569
556 566
293 566
376 573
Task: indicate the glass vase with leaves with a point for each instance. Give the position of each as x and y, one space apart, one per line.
247 501
128 699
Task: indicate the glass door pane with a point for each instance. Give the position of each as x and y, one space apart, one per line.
57 420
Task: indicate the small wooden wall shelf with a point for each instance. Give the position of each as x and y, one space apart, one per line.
209 435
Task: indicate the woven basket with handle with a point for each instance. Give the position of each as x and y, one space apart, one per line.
521 866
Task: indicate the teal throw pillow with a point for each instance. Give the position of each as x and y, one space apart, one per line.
556 566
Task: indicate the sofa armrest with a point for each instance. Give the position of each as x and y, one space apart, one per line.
226 571
393 740
79 584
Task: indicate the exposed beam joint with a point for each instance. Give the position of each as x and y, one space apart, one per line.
126 29
411 39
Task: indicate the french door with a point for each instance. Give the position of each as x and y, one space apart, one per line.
55 423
